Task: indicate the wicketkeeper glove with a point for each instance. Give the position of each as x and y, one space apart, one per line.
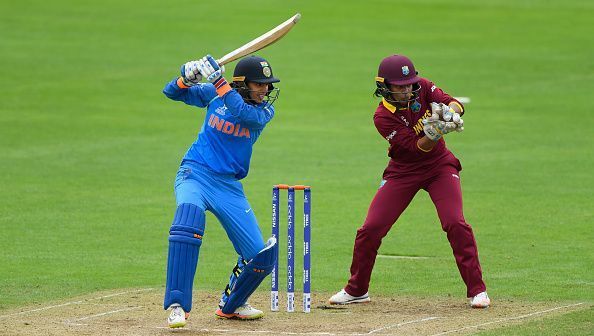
443 112
435 129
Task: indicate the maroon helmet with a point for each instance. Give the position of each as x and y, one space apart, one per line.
396 70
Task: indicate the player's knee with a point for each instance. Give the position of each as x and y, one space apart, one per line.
454 224
188 225
253 250
370 232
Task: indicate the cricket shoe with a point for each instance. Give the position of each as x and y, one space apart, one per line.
244 312
177 318
342 298
481 300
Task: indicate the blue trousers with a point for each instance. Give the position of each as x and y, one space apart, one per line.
223 196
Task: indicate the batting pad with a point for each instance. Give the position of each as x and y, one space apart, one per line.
241 263
252 275
185 238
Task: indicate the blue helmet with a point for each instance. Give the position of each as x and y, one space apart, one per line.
254 69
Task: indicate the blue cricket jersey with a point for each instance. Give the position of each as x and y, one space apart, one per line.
229 131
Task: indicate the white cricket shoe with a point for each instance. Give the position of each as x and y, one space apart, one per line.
244 312
343 297
177 317
481 300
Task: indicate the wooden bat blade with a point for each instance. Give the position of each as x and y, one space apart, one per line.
263 41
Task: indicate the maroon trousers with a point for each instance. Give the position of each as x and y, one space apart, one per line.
443 185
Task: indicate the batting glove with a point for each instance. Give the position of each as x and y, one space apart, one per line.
190 73
210 69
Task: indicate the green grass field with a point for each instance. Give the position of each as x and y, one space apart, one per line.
89 146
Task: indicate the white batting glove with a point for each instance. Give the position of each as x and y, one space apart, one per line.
210 69
190 73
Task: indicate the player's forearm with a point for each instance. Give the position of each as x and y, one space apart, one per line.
425 144
173 91
190 95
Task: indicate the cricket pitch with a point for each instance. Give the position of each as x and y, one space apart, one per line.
140 312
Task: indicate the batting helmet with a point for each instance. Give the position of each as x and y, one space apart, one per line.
254 69
396 70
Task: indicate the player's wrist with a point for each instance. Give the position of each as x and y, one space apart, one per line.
221 86
457 107
432 131
182 84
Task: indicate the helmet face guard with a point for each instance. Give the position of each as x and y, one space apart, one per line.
383 90
240 85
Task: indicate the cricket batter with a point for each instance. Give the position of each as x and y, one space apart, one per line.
209 179
413 117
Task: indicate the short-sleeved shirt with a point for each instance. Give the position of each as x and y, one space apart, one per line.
402 127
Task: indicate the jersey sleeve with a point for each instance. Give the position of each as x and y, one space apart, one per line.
199 95
396 134
437 95
250 115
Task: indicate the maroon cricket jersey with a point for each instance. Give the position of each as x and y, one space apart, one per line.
403 127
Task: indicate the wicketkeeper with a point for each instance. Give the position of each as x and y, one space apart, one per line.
209 179
414 116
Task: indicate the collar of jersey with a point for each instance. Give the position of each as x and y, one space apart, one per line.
391 107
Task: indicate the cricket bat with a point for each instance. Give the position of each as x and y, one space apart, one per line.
263 41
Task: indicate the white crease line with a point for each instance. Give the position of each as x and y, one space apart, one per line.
403 324
311 333
74 302
260 332
509 319
399 257
73 321
122 293
44 308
